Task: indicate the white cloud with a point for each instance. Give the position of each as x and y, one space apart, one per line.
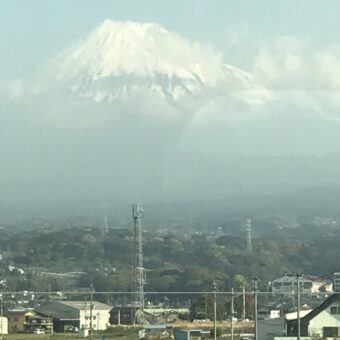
281 64
293 69
290 64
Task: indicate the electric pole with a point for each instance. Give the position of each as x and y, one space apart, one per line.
244 301
206 305
232 314
2 314
91 311
298 306
215 311
255 308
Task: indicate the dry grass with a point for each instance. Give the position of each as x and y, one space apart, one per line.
130 332
52 337
210 325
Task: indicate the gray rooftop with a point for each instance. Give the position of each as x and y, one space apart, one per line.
81 305
69 310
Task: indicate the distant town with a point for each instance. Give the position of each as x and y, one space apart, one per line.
236 282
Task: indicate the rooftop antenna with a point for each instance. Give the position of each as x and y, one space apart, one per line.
139 271
248 235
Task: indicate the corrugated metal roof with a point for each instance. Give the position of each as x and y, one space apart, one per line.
69 310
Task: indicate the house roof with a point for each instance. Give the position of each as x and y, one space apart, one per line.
58 311
69 310
291 279
81 305
20 312
293 315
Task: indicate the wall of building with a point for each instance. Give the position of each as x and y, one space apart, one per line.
324 319
3 325
100 319
16 322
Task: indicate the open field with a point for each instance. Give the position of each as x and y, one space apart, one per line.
121 334
130 332
58 337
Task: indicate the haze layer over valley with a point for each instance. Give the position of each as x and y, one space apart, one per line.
133 110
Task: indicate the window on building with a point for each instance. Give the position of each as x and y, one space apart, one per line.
330 331
334 310
94 318
307 285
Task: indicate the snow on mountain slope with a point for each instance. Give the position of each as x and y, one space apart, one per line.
119 59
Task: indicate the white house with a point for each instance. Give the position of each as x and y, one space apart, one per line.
323 321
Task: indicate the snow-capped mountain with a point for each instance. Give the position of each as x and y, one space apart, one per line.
120 59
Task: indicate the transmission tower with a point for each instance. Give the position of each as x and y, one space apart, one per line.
248 228
106 226
139 272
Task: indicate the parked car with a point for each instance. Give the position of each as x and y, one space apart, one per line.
39 331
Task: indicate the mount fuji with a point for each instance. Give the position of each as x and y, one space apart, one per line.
119 60
96 122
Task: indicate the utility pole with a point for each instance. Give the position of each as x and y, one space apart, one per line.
206 305
91 311
232 314
298 306
2 314
244 301
255 308
215 311
118 318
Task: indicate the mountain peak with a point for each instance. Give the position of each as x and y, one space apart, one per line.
124 57
109 26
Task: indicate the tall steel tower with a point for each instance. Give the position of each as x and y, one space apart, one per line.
248 227
139 272
106 225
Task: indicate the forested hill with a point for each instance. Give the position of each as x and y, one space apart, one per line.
185 262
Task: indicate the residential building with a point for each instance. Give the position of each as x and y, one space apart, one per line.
308 284
37 322
27 321
17 319
78 314
321 322
336 282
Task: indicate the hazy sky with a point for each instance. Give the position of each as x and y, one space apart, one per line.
56 146
34 30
